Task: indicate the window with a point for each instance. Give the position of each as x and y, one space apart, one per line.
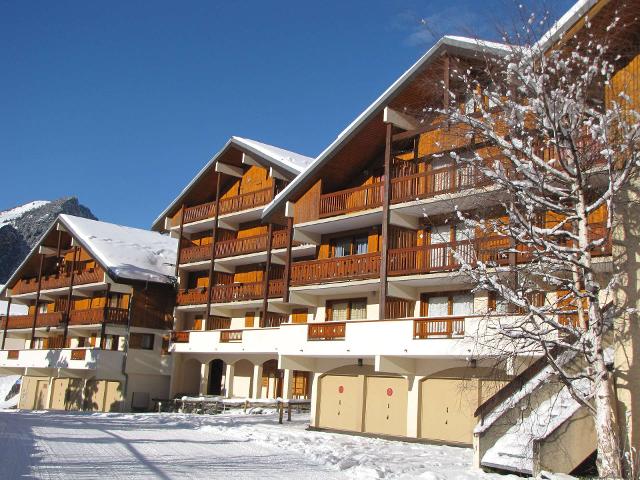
341 310
299 315
111 342
458 304
249 319
355 245
143 341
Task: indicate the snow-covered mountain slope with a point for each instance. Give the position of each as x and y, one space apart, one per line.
22 226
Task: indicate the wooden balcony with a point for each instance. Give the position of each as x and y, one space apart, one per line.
78 354
13 354
436 182
351 200
231 336
231 292
236 203
180 337
218 323
353 267
92 316
231 248
326 331
49 319
274 320
444 327
49 282
440 257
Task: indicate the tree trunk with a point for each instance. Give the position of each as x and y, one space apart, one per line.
608 460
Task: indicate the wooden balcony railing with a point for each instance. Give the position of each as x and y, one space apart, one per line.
180 337
78 354
49 282
351 200
231 336
195 296
231 292
236 246
48 319
436 182
93 316
447 256
13 354
236 203
327 331
274 320
353 267
447 327
218 323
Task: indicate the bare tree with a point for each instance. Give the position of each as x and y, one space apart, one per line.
563 142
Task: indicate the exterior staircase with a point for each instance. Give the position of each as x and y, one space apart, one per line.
533 424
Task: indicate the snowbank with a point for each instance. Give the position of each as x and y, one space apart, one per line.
6 385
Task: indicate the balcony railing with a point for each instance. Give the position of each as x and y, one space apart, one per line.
13 354
236 203
78 354
327 331
236 246
351 200
48 319
436 182
353 267
231 292
448 256
180 337
445 327
231 336
274 320
49 282
92 316
218 323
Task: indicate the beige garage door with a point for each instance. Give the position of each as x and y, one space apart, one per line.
340 402
446 410
386 406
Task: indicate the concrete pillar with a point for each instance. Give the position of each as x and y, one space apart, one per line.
256 382
228 379
204 378
287 384
314 398
413 405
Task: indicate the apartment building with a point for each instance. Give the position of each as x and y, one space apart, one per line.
99 300
231 275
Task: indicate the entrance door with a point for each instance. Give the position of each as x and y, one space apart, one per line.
216 367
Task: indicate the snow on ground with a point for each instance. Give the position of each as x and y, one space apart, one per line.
8 216
56 445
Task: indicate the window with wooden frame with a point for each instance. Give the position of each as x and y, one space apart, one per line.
445 304
349 309
142 341
357 244
112 342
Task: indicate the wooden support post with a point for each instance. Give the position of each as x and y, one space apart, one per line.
288 411
267 271
59 245
214 241
35 310
280 411
287 261
386 200
180 240
103 327
446 99
6 323
67 312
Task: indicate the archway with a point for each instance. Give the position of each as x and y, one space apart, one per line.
271 379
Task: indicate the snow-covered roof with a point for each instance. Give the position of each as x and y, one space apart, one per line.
126 253
292 162
447 42
564 23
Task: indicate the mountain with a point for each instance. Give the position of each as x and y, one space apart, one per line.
21 228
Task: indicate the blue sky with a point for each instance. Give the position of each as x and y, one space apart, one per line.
120 103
